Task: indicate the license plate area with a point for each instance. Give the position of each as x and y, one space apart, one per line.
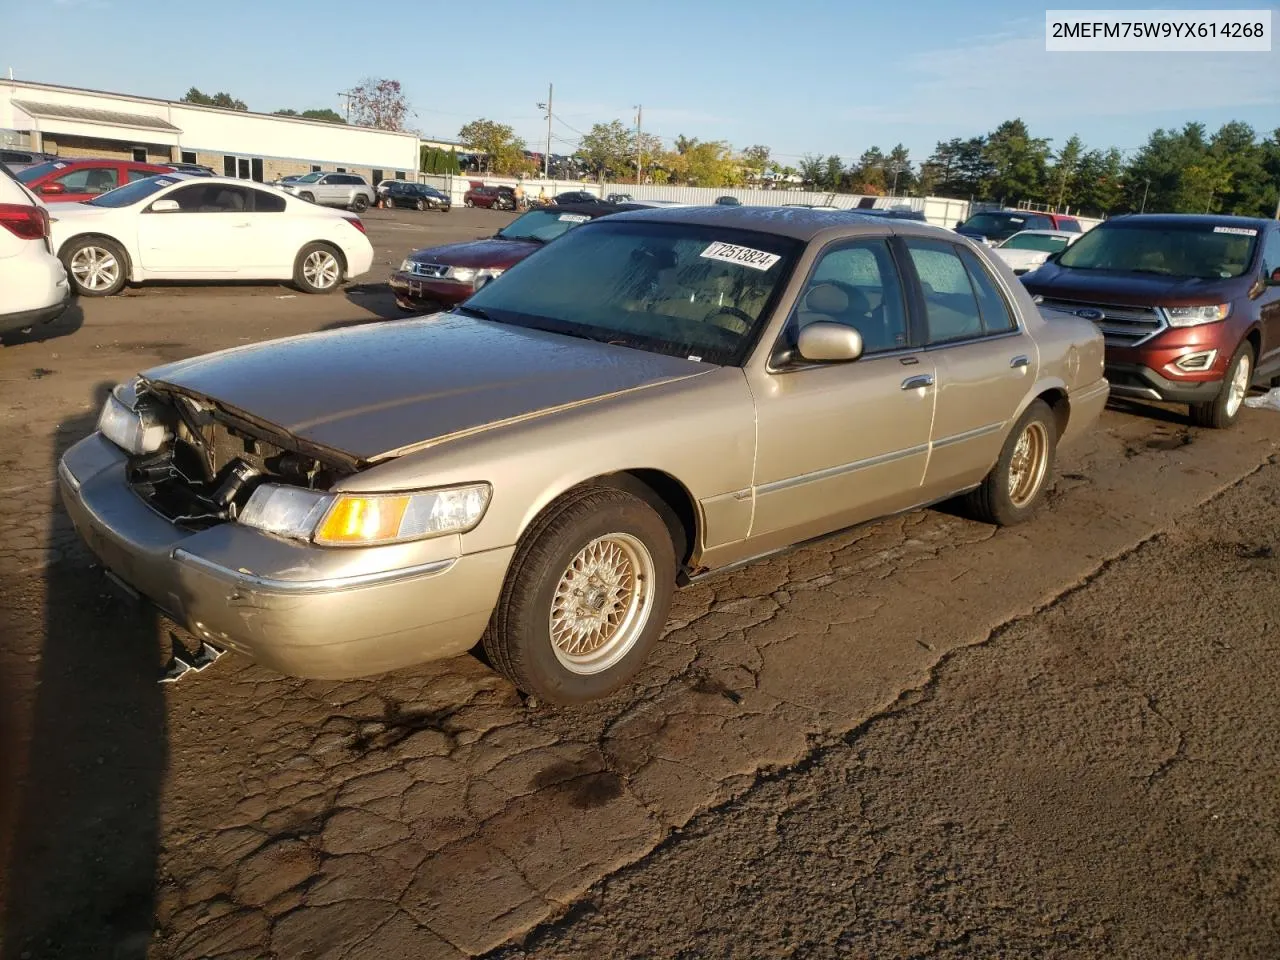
415 288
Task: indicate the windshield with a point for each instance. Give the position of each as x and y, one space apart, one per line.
39 170
998 226
308 178
131 193
679 289
542 225
1044 242
1198 249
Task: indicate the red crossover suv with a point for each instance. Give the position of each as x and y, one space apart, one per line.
442 277
495 198
59 181
1189 306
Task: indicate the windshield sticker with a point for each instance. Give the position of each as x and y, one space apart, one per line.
58 166
164 181
1238 231
743 256
573 218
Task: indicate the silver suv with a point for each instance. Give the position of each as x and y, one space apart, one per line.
332 190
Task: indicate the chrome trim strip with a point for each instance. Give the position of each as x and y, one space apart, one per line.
973 434
312 586
828 472
67 476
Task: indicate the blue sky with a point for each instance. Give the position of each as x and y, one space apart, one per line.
808 76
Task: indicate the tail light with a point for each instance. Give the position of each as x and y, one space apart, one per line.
25 222
357 223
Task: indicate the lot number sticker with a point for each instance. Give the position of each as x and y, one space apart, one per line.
573 218
1239 231
743 256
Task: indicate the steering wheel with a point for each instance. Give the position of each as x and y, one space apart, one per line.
742 315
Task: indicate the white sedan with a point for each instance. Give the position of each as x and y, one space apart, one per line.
175 227
1027 250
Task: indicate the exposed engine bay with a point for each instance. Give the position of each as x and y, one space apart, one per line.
216 458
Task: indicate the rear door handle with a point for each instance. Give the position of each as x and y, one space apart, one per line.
1020 361
915 383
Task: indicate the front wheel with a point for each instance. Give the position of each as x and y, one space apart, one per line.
1224 409
309 197
585 598
360 203
1016 484
95 265
317 269
468 203
422 205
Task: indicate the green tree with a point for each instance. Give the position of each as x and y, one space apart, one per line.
755 159
1162 171
1066 166
331 116
897 171
832 173
1018 163
608 149
709 163
224 100
1249 193
1098 187
503 150
868 173
811 170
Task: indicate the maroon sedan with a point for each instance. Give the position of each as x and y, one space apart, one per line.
440 277
495 198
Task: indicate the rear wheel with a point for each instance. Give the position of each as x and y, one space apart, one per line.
585 598
422 204
318 269
307 196
360 203
468 203
1016 484
1224 409
96 265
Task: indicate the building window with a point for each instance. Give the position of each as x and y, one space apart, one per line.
140 154
228 166
315 168
377 177
399 174
342 170
256 169
188 156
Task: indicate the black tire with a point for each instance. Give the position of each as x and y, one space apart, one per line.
1222 411
995 500
307 196
105 248
360 203
518 640
302 267
422 204
468 203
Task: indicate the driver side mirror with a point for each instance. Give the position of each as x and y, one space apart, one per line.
1053 257
959 224
53 189
825 342
165 206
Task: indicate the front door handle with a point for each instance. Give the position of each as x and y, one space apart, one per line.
915 383
1020 361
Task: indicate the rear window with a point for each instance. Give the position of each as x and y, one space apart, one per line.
1069 225
1199 249
32 174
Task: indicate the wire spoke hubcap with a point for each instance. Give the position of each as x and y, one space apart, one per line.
95 268
321 269
1239 387
602 603
1028 464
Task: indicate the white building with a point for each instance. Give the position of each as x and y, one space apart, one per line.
253 146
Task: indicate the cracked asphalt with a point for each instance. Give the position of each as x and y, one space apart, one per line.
924 737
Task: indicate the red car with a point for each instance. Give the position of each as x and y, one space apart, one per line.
64 181
440 278
495 198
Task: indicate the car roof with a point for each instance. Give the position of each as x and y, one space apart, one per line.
1208 219
800 223
586 209
1048 233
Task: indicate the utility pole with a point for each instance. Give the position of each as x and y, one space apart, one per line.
639 152
1144 195
346 96
546 157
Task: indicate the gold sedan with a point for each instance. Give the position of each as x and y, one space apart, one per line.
657 395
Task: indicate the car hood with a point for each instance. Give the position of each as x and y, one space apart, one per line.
478 253
1138 289
375 392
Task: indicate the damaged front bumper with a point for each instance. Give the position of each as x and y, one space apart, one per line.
303 610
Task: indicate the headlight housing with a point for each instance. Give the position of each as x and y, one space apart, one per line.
479 277
131 426
365 519
1195 316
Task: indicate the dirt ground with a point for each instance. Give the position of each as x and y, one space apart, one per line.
924 737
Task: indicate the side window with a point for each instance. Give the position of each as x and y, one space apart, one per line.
996 317
264 202
139 175
857 285
190 199
90 180
222 199
951 307
1271 253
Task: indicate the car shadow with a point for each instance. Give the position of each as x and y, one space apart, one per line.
81 866
1149 411
376 298
72 319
